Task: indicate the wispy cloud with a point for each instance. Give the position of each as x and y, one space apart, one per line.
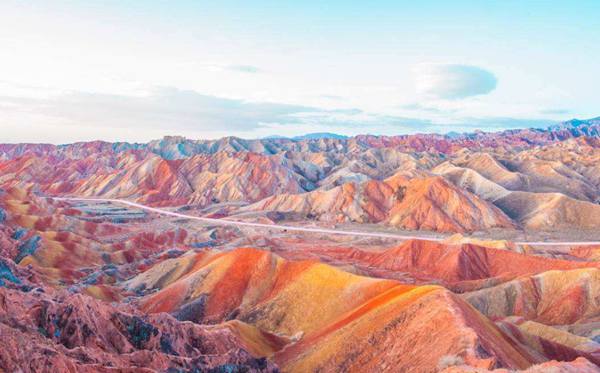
167 108
171 110
416 107
248 69
452 82
555 111
332 97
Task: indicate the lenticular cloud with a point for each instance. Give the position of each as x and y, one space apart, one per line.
453 81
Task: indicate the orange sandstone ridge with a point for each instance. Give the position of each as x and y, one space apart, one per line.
429 203
335 320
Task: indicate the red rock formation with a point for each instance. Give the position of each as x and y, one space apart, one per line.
579 365
429 203
62 333
462 267
343 321
553 297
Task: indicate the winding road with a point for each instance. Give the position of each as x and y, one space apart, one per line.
302 229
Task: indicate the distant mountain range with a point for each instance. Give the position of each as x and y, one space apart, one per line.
576 127
178 147
589 127
310 136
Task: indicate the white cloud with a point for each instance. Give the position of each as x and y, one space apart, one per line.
244 69
451 82
557 111
78 116
162 108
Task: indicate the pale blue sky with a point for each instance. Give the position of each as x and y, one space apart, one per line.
136 70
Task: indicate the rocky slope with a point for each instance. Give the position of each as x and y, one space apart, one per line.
88 286
458 266
339 320
60 332
177 304
429 203
541 179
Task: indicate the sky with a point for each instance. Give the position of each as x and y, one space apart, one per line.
139 70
